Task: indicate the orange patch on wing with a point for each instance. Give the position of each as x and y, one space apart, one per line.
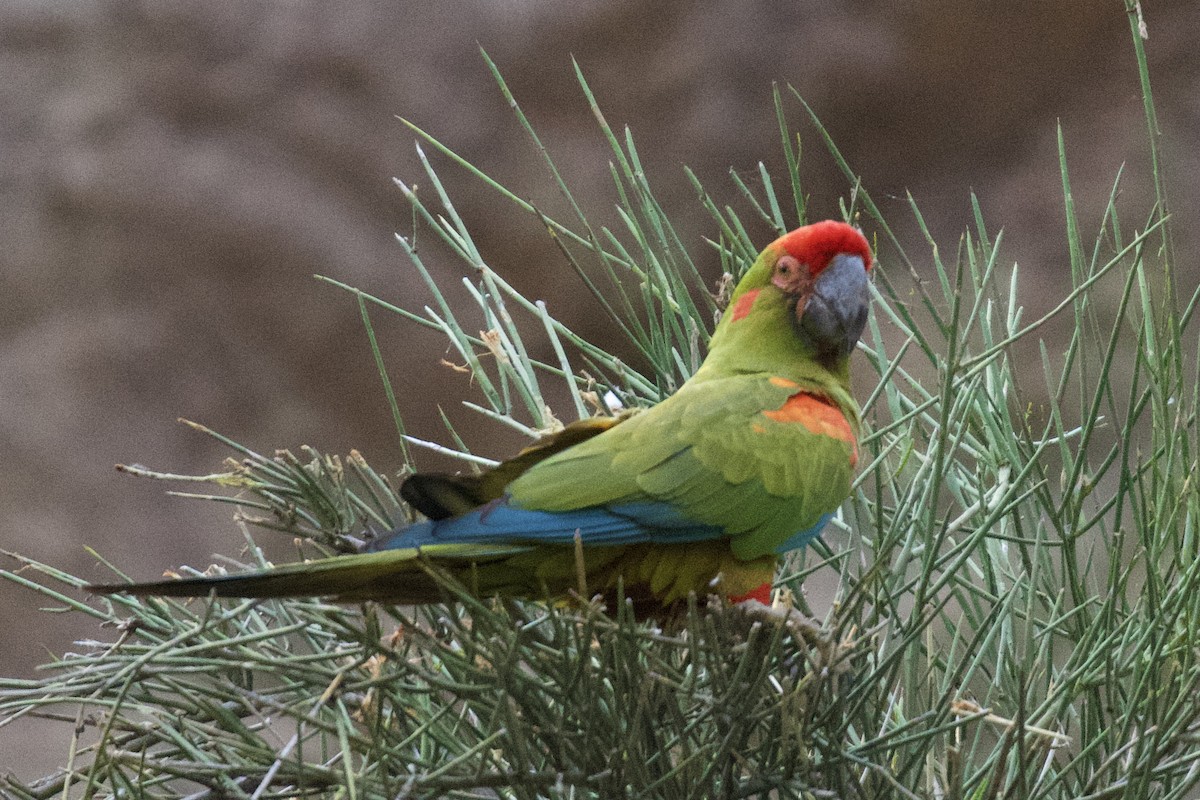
819 416
742 307
775 380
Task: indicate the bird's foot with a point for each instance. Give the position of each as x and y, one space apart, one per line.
784 613
819 645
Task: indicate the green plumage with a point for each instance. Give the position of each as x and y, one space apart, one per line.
698 494
709 451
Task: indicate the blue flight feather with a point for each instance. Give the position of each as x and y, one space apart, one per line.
800 539
500 522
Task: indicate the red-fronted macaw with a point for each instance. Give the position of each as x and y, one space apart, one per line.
701 493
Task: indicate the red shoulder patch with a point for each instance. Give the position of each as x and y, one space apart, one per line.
742 307
819 416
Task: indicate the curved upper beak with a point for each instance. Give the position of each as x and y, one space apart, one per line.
835 313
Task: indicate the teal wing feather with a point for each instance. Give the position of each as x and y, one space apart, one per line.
740 453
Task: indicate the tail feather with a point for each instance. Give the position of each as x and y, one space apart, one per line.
394 576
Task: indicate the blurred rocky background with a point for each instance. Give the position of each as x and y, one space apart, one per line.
173 173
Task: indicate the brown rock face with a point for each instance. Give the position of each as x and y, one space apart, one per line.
174 172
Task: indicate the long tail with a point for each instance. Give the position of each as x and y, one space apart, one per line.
394 576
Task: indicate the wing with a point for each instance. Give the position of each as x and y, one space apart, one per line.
440 496
759 459
762 459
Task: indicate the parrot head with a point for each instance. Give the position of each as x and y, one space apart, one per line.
815 278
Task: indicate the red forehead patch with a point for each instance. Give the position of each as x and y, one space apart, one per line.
816 244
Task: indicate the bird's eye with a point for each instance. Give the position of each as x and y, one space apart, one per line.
787 267
791 276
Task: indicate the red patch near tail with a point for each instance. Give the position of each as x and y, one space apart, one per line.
762 594
742 307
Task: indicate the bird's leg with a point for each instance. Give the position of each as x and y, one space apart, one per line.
816 640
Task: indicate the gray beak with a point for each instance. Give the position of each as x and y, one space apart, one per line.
833 318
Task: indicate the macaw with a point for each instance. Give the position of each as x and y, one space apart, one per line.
701 493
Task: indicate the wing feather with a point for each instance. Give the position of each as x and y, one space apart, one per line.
716 460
